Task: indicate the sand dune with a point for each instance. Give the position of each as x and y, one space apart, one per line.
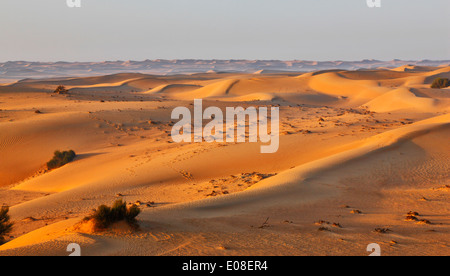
217 89
357 90
414 68
358 149
168 88
290 188
402 99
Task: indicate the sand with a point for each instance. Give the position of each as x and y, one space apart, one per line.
358 151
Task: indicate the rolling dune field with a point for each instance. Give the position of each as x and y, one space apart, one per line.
358 151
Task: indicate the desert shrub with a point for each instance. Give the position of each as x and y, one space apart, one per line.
60 159
440 83
61 90
105 216
5 225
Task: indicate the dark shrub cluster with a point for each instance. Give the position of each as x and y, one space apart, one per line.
5 225
440 83
60 159
61 90
105 216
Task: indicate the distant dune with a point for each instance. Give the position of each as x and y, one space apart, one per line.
18 70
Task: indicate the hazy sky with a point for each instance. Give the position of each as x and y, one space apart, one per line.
47 30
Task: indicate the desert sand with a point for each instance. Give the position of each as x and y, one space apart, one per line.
358 151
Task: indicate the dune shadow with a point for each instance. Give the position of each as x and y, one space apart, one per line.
160 204
417 93
86 155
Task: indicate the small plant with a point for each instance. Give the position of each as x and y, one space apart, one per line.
382 230
5 225
60 159
440 83
105 216
61 90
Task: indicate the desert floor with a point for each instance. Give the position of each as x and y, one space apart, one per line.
358 151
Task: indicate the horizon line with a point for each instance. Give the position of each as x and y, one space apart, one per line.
233 59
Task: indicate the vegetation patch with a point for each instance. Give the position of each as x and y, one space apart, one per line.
106 216
440 83
61 90
5 224
60 159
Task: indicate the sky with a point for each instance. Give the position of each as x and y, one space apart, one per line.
48 30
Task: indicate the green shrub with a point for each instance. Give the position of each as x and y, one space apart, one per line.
60 159
440 83
105 216
5 225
